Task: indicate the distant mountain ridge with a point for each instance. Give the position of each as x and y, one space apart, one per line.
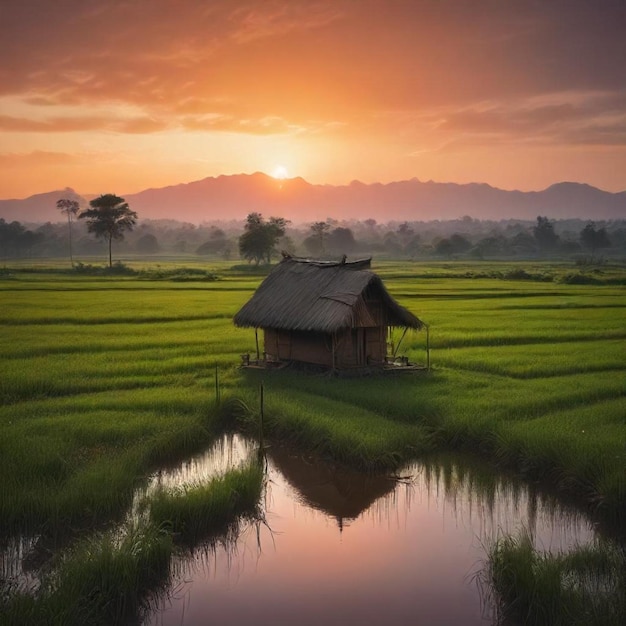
233 197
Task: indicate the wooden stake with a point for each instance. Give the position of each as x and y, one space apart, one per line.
261 414
427 347
217 385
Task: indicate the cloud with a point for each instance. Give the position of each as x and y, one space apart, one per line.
563 118
272 18
136 125
37 158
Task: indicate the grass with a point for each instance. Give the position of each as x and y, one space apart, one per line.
103 379
112 577
584 587
192 512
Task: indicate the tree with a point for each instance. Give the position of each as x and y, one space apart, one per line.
71 209
216 244
108 218
594 239
456 244
319 230
259 237
15 240
341 240
148 244
544 234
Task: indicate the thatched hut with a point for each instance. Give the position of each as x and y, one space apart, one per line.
336 315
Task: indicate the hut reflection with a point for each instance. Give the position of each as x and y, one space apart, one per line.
337 491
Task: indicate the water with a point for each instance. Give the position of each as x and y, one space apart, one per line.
337 547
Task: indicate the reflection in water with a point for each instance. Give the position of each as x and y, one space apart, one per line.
337 547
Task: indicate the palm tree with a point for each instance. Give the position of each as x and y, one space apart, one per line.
71 209
108 218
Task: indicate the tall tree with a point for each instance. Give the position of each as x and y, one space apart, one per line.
594 239
71 209
544 234
260 237
108 218
320 229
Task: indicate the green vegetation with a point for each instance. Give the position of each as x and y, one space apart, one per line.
111 578
192 512
105 378
584 587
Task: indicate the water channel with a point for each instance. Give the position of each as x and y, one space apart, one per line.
337 547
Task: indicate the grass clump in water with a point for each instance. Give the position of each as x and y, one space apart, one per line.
584 587
194 511
114 577
106 579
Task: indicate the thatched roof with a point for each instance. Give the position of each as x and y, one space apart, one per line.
319 296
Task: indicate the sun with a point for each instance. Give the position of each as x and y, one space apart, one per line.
280 172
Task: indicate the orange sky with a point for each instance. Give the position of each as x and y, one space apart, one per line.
118 96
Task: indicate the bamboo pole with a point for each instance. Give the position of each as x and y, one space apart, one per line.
217 385
261 417
427 347
400 342
256 339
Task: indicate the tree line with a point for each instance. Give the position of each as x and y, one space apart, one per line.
257 240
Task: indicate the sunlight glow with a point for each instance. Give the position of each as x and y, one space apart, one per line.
280 172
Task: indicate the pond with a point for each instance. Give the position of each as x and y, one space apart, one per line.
338 547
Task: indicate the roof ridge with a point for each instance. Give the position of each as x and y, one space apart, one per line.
364 262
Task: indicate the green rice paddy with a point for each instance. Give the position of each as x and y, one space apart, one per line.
104 379
96 373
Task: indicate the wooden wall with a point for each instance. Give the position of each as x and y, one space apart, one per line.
355 347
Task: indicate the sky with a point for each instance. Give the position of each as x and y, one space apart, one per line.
120 96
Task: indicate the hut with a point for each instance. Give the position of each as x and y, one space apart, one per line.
332 314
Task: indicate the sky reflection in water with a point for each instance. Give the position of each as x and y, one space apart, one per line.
338 547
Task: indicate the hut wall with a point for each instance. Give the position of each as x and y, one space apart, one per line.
284 345
358 347
354 347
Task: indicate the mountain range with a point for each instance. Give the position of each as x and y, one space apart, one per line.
233 197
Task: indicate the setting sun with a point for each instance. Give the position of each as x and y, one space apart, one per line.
280 172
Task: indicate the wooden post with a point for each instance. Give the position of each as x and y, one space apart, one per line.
261 414
399 342
217 385
427 347
256 339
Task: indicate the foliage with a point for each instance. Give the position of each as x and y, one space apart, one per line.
506 239
594 239
216 244
192 512
315 244
582 588
260 237
70 208
456 244
16 240
544 234
108 218
148 244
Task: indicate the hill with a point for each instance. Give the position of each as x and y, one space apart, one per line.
233 197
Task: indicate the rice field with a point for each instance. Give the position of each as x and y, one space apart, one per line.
103 379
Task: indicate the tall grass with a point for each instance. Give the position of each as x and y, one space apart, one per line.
584 587
192 512
113 577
